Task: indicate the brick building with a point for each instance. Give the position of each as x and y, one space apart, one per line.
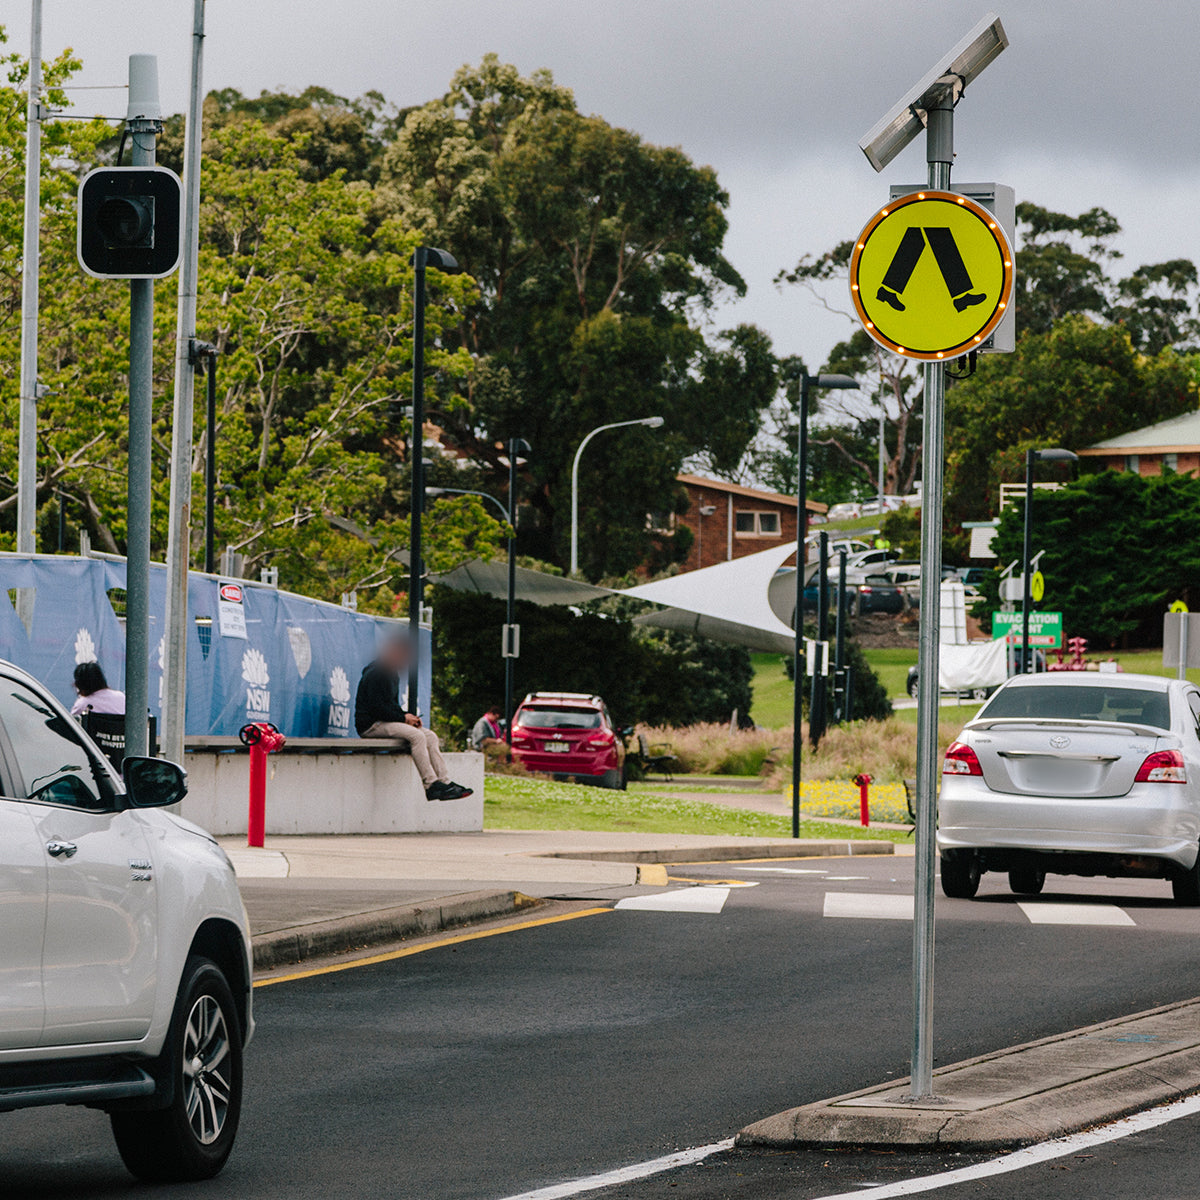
729 521
1174 444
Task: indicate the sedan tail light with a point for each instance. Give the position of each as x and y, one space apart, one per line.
1163 766
961 760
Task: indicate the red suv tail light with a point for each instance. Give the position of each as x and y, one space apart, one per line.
601 741
961 760
1163 766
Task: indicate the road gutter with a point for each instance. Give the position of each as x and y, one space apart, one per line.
343 935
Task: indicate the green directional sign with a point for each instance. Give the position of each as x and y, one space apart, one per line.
1045 629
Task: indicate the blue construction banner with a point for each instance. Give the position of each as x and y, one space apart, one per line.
254 653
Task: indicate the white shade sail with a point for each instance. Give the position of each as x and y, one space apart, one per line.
730 602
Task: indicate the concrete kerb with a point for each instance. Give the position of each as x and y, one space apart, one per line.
1013 1097
730 852
296 944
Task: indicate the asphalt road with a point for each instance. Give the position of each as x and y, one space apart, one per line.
482 1070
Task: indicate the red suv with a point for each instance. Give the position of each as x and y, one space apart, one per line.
569 735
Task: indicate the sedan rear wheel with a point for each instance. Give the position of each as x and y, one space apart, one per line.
961 873
1027 883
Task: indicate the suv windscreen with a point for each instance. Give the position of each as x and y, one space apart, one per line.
1067 703
54 766
559 718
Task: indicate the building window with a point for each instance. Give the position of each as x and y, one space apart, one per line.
660 522
756 524
1170 462
1133 463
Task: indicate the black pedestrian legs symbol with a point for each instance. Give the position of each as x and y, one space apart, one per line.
949 260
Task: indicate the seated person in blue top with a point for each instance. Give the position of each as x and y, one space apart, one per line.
94 693
378 713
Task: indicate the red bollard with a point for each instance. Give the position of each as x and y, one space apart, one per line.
864 799
262 738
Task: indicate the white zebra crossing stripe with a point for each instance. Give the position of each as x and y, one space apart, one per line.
871 906
1048 912
692 899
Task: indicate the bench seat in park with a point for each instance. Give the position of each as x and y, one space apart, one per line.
327 785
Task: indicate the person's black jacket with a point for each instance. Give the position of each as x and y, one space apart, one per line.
378 698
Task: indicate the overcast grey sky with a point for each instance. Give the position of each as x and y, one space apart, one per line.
1093 103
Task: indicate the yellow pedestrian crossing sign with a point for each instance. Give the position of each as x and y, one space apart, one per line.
1178 606
1037 587
931 275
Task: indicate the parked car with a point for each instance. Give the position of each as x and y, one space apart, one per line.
878 594
1075 774
843 512
124 945
973 577
569 735
912 686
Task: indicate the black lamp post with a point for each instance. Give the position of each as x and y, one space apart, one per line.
829 382
1053 454
512 632
439 260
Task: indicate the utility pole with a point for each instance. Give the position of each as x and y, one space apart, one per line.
143 121
30 265
416 454
174 702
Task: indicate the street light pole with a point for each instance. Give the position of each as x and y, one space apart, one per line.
27 431
1053 454
423 257
650 423
806 381
512 648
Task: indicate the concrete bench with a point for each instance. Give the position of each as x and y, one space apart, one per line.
327 785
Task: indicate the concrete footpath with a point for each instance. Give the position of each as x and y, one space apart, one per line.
309 897
1025 1094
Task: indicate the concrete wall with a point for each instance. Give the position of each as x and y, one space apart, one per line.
330 793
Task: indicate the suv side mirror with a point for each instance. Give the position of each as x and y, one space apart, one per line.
625 731
153 782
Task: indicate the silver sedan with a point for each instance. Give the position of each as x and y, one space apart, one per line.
1075 774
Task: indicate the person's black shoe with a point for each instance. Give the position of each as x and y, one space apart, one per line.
439 791
890 297
962 303
456 791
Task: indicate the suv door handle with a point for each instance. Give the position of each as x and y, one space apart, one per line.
61 849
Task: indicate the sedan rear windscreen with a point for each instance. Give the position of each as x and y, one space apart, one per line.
1072 703
559 718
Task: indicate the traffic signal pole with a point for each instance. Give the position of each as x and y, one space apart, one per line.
143 123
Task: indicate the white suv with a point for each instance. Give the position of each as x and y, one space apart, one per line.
125 966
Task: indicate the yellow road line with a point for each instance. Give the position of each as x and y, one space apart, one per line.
408 951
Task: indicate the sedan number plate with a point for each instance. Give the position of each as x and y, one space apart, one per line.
556 747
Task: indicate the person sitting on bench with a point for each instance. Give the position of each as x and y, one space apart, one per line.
378 713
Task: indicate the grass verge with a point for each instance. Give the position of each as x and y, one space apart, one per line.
512 802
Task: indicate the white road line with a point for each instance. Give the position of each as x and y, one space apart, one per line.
655 1166
691 899
1031 1156
845 878
783 870
871 906
1047 912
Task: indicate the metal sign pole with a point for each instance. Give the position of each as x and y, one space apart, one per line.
940 155
1183 645
143 128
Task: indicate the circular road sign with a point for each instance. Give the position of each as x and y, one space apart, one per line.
1037 587
1178 606
931 275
